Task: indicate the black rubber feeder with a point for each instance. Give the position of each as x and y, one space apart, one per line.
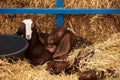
12 46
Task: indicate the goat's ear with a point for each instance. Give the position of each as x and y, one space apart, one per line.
61 31
20 25
35 25
20 29
63 47
38 30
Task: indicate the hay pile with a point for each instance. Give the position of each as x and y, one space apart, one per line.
107 56
102 30
91 27
22 70
67 3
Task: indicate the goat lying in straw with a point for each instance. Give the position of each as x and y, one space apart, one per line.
36 52
63 39
59 43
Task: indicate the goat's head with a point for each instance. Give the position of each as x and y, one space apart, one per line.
26 28
56 35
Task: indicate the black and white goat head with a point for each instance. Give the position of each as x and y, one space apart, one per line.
36 52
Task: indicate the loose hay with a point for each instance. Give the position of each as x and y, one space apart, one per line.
96 28
22 70
91 27
107 56
67 3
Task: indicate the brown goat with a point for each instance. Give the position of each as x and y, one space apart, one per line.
63 40
36 52
60 42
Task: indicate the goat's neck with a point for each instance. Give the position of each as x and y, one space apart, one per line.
34 40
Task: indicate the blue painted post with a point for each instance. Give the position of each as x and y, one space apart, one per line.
59 21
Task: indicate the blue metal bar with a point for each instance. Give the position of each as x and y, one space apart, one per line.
59 21
58 11
59 3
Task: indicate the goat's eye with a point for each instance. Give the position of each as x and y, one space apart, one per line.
22 35
54 46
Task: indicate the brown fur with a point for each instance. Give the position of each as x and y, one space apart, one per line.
56 67
36 52
91 75
88 75
63 39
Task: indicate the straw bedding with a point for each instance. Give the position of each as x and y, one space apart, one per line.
102 30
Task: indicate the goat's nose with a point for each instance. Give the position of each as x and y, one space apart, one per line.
27 36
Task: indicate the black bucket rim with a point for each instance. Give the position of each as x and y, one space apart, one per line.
19 51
